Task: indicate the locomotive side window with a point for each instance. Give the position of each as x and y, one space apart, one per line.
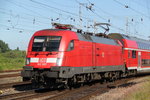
46 43
133 54
145 62
71 45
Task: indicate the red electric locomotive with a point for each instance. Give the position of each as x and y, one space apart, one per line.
60 56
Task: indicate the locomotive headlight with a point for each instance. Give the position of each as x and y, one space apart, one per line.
27 61
59 62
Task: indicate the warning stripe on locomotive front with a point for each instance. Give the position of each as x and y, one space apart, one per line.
47 60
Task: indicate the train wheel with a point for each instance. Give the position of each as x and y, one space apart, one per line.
70 83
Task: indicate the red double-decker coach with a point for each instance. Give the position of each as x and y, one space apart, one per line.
136 52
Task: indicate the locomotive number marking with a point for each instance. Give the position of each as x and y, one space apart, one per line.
42 61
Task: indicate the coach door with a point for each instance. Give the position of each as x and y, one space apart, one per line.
139 59
133 59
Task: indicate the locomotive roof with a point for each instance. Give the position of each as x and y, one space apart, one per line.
52 30
86 37
142 44
90 38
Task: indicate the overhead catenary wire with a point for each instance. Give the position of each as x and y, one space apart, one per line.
100 9
38 7
17 28
56 8
24 13
136 11
116 27
128 7
62 10
25 8
139 4
28 20
9 13
18 24
34 16
64 5
37 19
113 26
6 13
110 15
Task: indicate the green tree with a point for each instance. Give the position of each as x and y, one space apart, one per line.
17 49
4 46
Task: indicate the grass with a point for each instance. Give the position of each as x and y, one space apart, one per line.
12 60
143 92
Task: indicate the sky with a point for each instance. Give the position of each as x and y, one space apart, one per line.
19 19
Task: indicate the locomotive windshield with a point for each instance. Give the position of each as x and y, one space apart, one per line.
46 43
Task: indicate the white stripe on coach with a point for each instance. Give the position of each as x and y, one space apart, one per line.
148 68
136 49
132 67
139 69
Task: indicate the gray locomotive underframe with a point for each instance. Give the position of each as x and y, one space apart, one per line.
68 72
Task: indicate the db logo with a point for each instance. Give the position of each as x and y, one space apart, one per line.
42 60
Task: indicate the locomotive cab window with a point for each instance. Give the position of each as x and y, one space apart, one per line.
133 54
46 43
71 45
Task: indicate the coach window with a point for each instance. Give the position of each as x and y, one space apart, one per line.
71 45
133 54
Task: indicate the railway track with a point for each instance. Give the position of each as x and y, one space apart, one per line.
46 94
69 95
100 90
31 94
82 93
37 95
10 75
14 84
10 71
13 96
